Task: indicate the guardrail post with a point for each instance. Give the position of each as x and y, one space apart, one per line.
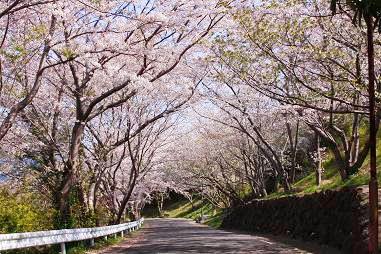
63 248
92 242
122 234
106 237
115 235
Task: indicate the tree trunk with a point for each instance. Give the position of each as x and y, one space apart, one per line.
69 174
125 200
64 208
373 185
318 161
160 201
293 147
91 197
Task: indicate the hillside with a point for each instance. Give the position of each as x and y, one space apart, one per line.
331 178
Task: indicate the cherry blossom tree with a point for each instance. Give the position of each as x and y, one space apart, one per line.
99 57
312 65
28 39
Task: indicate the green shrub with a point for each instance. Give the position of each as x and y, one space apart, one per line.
23 212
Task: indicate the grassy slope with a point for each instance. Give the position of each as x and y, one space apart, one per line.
184 209
331 177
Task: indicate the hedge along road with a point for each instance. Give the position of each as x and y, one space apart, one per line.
185 236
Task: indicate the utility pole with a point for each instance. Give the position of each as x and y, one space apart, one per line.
370 11
373 184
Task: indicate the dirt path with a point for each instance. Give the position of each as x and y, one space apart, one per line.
184 236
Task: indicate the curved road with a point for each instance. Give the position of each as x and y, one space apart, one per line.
185 236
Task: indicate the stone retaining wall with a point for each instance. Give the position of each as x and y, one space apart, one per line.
335 218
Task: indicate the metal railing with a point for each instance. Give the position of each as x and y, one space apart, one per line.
40 238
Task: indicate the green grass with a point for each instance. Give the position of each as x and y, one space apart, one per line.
99 244
185 209
331 178
215 220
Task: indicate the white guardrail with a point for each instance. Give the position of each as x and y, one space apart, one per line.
32 239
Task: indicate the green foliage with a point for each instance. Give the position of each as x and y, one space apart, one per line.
78 216
77 249
23 212
83 247
37 250
68 53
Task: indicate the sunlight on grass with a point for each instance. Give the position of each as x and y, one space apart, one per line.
215 220
184 209
331 178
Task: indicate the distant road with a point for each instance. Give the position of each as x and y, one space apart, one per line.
184 236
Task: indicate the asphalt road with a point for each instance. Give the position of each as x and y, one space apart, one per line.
185 236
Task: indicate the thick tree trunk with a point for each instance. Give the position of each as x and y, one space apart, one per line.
69 174
64 208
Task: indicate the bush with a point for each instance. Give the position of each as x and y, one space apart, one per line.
23 212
